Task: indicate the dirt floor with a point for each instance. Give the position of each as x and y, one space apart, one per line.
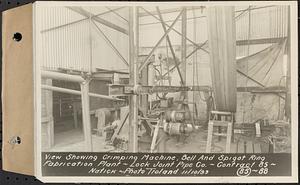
73 141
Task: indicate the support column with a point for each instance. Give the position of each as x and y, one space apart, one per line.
86 121
133 78
183 46
75 115
288 78
49 109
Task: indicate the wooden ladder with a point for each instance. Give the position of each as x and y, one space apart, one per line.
220 119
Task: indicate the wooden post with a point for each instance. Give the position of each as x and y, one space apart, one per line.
183 46
288 79
49 109
86 122
75 117
133 78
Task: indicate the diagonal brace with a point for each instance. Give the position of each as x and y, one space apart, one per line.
170 44
85 13
110 43
176 31
147 60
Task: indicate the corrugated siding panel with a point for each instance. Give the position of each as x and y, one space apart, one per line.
268 22
74 46
66 47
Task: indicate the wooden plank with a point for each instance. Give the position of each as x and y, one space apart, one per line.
209 136
228 139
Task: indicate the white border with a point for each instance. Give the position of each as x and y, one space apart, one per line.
294 100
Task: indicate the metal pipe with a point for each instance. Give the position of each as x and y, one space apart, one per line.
61 76
158 43
76 92
104 97
60 89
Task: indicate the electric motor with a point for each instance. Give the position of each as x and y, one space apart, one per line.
174 116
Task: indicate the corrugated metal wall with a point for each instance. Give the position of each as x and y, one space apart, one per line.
64 47
69 41
79 46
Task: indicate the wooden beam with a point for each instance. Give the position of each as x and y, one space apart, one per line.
112 46
86 14
74 22
170 44
146 62
171 10
259 41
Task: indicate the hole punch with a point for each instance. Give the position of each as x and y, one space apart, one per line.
17 37
15 140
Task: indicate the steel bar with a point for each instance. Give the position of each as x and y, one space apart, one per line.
158 43
86 120
76 92
110 43
61 76
74 22
83 12
170 44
